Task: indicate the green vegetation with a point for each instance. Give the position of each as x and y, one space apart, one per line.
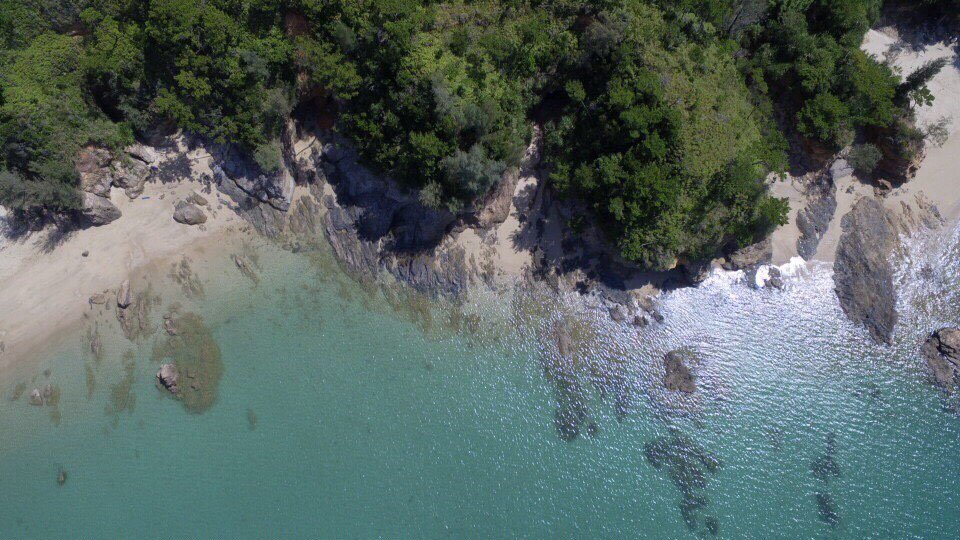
663 119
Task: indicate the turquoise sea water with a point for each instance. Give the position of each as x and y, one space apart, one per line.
339 417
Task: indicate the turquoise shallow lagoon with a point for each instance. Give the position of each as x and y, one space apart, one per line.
340 417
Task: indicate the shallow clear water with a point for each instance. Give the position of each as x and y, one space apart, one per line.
339 417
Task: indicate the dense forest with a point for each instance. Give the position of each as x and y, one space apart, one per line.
663 119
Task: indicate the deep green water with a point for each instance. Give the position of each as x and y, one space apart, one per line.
373 423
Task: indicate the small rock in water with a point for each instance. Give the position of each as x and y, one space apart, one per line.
640 321
46 373
36 398
942 350
61 476
169 377
774 281
85 253
678 376
618 313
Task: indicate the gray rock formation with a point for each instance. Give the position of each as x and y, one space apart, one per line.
169 377
814 219
197 199
131 179
775 279
143 153
942 350
93 166
188 214
840 169
496 207
750 257
863 274
678 377
36 398
97 210
618 313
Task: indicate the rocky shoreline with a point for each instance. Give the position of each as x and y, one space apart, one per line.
518 235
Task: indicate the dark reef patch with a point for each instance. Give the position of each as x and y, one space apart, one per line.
688 465
197 357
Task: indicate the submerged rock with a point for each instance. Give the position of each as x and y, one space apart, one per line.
863 273
688 465
196 357
678 377
825 468
61 477
827 509
942 350
618 313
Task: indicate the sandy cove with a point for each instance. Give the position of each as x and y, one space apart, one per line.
938 179
47 282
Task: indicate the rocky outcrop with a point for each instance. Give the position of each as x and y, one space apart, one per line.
131 179
143 153
169 377
863 274
188 214
750 257
373 225
262 197
942 350
93 166
97 210
677 376
814 219
496 207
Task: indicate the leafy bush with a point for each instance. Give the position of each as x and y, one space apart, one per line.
864 157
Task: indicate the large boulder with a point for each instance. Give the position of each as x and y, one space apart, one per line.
862 271
750 256
93 165
131 178
678 377
942 350
188 214
98 210
143 153
169 377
